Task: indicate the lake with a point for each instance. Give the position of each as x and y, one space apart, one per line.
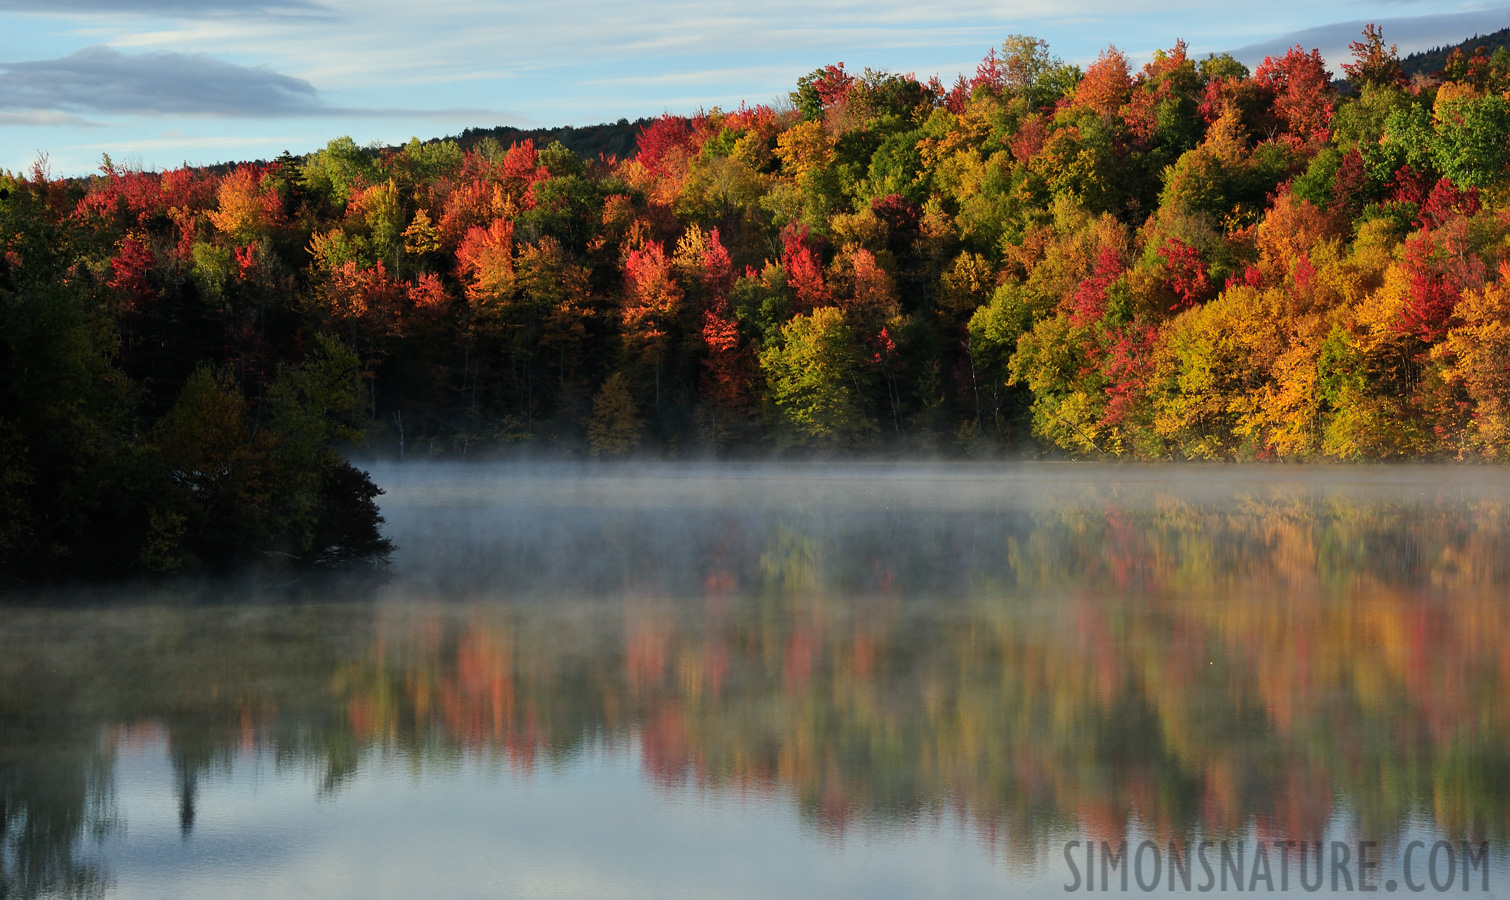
686 680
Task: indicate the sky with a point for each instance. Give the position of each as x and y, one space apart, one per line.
159 83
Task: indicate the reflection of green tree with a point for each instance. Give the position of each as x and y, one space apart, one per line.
54 790
788 565
211 680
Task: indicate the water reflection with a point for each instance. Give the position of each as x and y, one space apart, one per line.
1040 653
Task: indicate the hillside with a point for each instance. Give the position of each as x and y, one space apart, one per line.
1190 260
1430 62
615 139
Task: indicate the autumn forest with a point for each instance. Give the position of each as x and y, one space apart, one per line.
1191 260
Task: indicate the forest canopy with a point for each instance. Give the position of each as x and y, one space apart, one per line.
1183 260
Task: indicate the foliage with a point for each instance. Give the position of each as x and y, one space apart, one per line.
814 379
100 475
615 427
1182 259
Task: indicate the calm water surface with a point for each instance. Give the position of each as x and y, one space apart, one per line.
813 682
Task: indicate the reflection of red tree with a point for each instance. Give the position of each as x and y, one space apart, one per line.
720 582
862 654
1102 818
716 656
362 717
483 696
1101 652
801 652
834 808
1302 807
522 748
665 748
646 648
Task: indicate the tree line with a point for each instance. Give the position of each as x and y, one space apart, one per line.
1187 260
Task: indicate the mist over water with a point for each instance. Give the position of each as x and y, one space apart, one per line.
760 680
513 528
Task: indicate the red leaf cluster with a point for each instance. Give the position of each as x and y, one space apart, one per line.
803 273
1089 302
1187 276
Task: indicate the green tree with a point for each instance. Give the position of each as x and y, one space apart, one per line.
220 474
815 376
615 427
74 484
273 486
339 171
424 163
994 330
1472 145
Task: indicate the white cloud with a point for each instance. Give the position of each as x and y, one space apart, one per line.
44 117
103 80
188 8
702 76
170 143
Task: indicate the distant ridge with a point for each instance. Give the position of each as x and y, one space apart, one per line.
1430 62
616 139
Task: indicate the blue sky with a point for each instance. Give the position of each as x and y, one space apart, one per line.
156 83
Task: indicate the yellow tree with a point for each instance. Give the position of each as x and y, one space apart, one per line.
245 212
804 147
615 426
1473 357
